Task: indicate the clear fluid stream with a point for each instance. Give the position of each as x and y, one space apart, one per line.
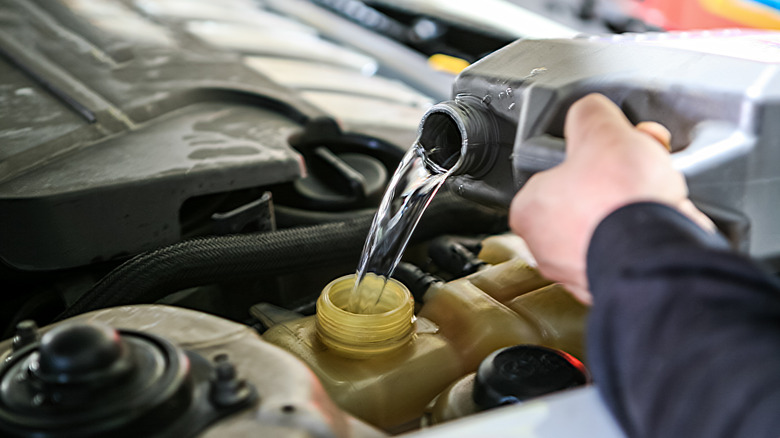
411 189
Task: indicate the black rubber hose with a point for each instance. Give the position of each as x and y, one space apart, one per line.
452 256
151 276
415 279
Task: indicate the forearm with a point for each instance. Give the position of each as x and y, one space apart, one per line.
684 337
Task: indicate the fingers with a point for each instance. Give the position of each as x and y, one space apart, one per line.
580 293
521 205
693 213
609 163
658 132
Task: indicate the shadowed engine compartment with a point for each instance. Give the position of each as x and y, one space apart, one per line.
179 177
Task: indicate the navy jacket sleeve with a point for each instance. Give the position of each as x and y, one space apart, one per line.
684 334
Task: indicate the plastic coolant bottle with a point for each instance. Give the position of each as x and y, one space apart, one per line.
506 304
510 375
381 366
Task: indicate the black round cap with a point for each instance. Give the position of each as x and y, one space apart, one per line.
514 374
87 379
341 181
77 353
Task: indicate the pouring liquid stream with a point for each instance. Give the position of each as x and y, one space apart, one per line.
411 189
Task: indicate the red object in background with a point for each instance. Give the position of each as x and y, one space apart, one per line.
708 14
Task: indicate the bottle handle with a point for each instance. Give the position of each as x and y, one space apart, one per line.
714 144
537 154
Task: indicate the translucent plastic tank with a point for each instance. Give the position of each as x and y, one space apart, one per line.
379 366
502 306
559 318
508 376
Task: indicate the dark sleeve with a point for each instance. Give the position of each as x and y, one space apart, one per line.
684 334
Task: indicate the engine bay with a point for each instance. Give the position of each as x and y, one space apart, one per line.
223 161
181 181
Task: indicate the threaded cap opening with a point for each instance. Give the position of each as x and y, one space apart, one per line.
459 136
363 335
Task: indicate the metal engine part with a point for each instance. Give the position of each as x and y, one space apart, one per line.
289 401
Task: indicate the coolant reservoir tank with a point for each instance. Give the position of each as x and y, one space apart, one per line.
508 376
560 318
378 366
505 305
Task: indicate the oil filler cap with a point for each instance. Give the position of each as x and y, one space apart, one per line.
514 374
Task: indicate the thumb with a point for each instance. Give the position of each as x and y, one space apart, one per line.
596 121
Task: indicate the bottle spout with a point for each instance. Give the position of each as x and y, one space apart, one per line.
460 136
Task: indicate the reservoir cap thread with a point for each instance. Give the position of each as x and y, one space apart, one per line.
363 335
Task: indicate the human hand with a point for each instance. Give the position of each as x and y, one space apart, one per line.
609 163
